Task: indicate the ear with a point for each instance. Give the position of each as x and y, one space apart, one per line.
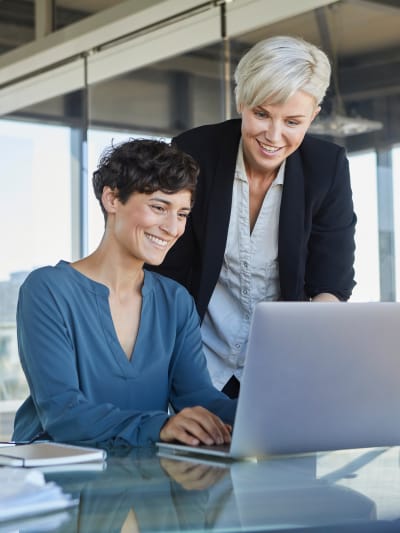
109 200
316 111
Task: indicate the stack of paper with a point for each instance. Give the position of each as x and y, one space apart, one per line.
25 492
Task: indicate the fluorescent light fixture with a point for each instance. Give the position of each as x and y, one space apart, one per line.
343 126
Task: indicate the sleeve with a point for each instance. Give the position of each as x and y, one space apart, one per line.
191 384
51 366
331 245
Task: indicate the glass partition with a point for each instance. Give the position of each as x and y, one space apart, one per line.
396 202
364 186
362 41
49 209
157 101
35 230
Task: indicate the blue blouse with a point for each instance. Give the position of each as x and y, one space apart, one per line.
82 385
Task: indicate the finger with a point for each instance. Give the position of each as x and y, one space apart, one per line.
211 424
217 429
196 425
200 428
226 430
183 430
193 426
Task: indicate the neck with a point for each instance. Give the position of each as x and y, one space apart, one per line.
121 274
255 174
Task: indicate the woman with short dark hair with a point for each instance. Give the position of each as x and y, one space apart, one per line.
105 346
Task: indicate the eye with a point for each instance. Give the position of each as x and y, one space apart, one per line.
260 113
292 123
183 216
158 208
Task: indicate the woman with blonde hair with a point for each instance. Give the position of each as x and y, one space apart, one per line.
273 218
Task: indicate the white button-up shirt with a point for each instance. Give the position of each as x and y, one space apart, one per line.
249 274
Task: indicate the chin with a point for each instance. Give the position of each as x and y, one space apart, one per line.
155 262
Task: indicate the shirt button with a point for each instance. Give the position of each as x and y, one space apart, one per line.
245 264
237 346
244 291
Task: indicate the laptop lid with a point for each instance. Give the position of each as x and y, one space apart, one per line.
319 376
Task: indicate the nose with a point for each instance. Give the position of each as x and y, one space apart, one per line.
170 225
274 131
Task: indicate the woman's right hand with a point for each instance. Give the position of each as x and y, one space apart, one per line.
194 426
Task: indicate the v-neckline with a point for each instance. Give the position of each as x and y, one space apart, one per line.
128 366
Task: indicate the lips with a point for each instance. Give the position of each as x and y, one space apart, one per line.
156 240
268 148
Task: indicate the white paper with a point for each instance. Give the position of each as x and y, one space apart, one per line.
25 491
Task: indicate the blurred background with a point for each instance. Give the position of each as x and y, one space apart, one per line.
78 75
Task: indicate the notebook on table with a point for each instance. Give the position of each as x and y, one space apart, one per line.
318 376
49 454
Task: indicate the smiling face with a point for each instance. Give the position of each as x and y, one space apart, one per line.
146 226
270 133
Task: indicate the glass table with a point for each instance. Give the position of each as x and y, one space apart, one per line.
141 491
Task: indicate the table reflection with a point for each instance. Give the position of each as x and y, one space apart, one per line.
142 492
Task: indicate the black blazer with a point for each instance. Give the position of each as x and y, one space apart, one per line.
316 224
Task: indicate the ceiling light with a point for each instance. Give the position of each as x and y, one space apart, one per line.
337 125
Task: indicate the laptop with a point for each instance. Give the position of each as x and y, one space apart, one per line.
317 377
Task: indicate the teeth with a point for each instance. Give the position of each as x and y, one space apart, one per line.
156 240
269 149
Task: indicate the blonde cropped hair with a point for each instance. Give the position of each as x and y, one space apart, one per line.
275 68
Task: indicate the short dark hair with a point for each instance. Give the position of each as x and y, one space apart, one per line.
144 166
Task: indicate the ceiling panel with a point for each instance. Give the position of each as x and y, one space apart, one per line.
355 27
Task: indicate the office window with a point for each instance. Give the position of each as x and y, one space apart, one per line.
43 156
364 186
396 200
35 228
36 218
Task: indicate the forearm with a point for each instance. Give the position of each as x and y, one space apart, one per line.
76 419
191 382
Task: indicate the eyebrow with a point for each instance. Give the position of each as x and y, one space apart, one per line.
167 202
288 116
